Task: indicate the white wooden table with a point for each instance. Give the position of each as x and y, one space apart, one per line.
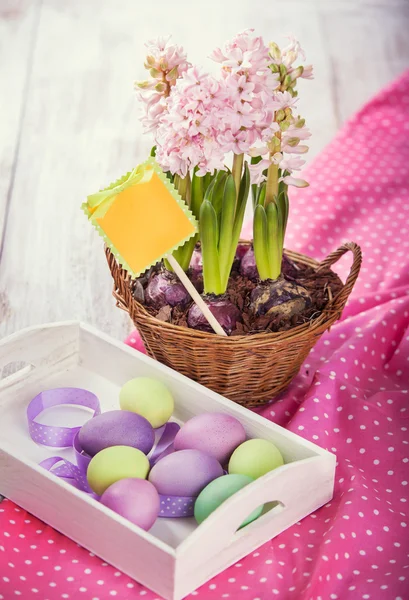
69 119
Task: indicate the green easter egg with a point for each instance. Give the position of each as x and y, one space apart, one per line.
255 458
115 463
147 397
217 492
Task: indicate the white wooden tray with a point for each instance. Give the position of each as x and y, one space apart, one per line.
185 555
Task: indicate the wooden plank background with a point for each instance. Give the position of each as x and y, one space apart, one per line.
69 119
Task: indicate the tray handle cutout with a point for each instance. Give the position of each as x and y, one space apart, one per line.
267 509
13 372
45 347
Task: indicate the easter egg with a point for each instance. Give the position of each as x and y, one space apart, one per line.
116 428
216 434
149 398
255 458
184 473
135 499
115 463
217 492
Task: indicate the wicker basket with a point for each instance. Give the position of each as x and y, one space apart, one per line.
249 369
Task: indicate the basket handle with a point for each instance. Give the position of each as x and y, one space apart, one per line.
341 299
120 302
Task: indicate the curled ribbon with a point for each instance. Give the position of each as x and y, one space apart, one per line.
167 434
52 435
65 437
99 203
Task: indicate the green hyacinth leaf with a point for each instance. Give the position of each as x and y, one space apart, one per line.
217 194
254 187
226 228
260 242
196 194
273 239
210 256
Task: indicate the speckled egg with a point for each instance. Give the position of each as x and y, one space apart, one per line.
135 499
147 397
255 458
217 492
216 434
115 463
184 473
116 428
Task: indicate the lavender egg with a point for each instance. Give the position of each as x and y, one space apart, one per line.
135 499
184 473
116 428
216 434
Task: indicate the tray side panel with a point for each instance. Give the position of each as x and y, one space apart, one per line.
217 543
89 524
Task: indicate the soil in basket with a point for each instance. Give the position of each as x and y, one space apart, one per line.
320 285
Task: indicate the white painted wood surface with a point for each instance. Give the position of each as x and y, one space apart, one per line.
186 555
68 119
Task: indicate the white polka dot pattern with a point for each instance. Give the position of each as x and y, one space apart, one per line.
176 506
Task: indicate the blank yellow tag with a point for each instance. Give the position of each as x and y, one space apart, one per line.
142 218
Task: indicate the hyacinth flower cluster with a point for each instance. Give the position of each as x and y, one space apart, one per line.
198 120
273 164
166 64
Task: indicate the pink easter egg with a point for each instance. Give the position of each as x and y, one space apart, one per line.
135 499
216 434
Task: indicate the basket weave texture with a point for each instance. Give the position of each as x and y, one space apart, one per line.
249 369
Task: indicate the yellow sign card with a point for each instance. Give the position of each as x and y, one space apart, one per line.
141 217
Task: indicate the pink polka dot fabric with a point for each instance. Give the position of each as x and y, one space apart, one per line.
351 396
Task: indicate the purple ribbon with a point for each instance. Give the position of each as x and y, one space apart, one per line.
68 470
53 435
62 437
83 459
165 443
176 506
65 437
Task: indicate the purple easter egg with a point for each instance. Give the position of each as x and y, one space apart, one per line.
184 473
135 499
216 434
116 428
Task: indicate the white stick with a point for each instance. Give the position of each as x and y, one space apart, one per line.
213 322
